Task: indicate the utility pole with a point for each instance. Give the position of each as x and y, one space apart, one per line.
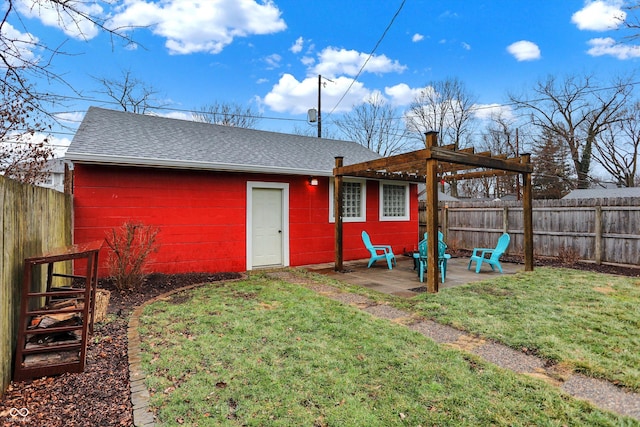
314 115
319 106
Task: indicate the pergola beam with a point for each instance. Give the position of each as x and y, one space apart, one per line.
478 174
428 165
480 161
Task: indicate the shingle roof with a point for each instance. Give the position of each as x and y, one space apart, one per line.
602 193
116 137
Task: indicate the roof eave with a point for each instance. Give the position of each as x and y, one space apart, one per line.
97 159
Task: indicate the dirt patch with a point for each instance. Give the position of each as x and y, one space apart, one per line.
604 290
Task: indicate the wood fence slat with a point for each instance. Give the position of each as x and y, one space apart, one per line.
599 230
33 220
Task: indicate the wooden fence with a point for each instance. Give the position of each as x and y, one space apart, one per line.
597 230
34 220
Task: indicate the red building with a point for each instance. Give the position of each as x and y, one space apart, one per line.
225 198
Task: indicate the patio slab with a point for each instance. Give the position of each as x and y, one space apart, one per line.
403 280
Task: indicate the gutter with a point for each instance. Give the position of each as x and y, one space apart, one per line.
94 159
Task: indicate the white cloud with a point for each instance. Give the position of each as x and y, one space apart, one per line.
524 50
57 144
466 46
296 97
72 24
417 37
333 62
273 61
60 145
72 117
600 15
608 46
308 61
174 115
401 94
18 47
490 111
200 26
297 46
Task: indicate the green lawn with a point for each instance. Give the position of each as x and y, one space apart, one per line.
264 352
588 322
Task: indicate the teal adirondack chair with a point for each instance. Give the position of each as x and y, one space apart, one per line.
417 255
378 252
490 256
443 257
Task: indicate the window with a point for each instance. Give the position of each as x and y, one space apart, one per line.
394 202
353 201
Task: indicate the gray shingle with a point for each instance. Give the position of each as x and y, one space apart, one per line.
601 193
115 137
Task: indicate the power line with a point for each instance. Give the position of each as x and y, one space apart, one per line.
364 64
194 111
153 108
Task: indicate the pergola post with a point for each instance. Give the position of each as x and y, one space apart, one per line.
337 215
432 215
527 212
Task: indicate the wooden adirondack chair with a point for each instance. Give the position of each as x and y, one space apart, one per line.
490 256
378 252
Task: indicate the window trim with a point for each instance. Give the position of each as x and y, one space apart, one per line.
363 201
407 204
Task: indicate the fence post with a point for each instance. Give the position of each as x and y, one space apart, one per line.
597 252
445 221
505 219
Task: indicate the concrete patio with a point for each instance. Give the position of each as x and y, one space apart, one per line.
403 279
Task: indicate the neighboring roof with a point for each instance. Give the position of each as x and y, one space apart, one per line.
55 165
442 197
602 193
121 138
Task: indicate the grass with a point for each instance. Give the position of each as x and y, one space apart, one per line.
587 322
262 352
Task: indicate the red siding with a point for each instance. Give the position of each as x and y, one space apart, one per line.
201 216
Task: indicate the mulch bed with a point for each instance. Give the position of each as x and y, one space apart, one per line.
100 396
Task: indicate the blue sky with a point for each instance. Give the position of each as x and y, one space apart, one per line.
268 54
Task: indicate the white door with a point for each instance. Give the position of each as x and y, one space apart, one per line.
267 227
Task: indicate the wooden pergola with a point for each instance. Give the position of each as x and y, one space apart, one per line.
431 165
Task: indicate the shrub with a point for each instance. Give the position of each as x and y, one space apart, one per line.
131 245
568 255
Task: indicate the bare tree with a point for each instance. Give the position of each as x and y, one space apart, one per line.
375 125
618 147
310 130
630 20
24 151
501 137
443 106
228 114
576 111
17 44
131 94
